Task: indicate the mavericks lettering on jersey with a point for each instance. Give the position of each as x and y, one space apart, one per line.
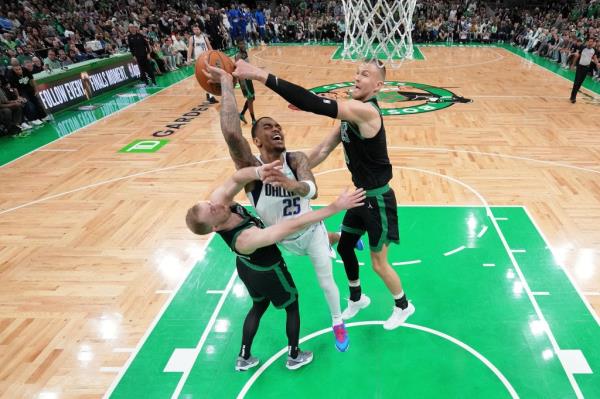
272 191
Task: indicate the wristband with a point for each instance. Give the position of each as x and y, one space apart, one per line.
312 189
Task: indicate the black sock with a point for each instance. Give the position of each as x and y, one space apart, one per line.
244 352
355 293
293 351
345 248
401 303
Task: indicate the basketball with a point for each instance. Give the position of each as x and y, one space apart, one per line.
217 59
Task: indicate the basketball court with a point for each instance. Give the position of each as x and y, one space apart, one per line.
106 292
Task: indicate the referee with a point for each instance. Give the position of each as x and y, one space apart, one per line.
587 54
139 47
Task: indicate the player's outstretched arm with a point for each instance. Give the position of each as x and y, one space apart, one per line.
352 110
321 151
252 239
239 149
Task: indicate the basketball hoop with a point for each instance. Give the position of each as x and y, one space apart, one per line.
378 29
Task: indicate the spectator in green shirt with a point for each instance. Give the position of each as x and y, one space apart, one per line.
51 62
7 41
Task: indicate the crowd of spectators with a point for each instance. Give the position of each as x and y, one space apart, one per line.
37 35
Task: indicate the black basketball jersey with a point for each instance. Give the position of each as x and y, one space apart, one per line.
262 257
367 159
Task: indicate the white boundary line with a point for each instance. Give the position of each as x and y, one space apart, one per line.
410 262
540 293
482 232
489 265
536 307
149 330
204 336
94 122
564 269
454 251
440 334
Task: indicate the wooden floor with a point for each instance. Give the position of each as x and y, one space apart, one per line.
90 237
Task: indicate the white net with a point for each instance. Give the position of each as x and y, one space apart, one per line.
379 29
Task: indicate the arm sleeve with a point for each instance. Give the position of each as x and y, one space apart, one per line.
302 98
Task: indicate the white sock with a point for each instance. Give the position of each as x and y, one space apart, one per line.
355 283
400 295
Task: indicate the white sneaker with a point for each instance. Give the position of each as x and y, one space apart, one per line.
26 126
354 307
47 118
37 122
398 317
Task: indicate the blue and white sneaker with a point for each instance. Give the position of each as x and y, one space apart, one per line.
360 245
341 337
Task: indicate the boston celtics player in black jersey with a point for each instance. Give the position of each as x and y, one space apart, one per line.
259 263
246 85
362 134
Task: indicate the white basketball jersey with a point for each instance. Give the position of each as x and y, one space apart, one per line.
274 204
200 45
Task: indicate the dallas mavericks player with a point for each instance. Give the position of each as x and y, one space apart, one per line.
198 44
282 199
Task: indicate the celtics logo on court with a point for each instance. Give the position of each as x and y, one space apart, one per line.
398 98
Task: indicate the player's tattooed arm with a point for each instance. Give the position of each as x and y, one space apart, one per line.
299 161
305 185
239 148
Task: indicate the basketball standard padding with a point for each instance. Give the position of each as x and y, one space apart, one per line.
217 59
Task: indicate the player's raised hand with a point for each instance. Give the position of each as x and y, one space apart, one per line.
268 168
244 70
214 74
277 178
349 199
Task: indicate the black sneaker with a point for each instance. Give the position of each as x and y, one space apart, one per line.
213 100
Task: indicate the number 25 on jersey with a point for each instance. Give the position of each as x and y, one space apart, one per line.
291 206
